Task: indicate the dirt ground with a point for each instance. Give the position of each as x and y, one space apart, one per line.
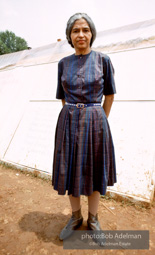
32 216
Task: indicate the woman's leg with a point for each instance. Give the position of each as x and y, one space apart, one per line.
75 220
93 202
93 223
75 203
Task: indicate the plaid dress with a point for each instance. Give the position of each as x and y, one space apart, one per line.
84 158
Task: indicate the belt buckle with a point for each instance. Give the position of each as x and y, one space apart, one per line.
80 105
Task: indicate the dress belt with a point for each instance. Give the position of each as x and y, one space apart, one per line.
81 105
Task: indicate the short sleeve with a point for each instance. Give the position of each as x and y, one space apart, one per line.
60 91
109 82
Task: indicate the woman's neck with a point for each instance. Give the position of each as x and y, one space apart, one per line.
82 52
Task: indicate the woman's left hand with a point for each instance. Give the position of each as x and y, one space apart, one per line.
108 101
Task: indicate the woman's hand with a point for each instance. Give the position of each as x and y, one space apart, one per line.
63 102
108 103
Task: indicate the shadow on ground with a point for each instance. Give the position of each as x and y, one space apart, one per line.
46 226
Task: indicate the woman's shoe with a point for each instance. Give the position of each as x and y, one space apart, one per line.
93 223
74 223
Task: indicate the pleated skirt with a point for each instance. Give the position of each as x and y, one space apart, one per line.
84 157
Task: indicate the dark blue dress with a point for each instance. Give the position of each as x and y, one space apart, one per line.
84 159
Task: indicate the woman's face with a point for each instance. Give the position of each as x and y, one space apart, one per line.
81 36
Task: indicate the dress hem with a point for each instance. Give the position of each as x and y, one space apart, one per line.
102 193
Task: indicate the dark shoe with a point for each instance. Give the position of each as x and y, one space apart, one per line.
94 225
74 223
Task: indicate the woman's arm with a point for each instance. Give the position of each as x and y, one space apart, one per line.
63 102
108 103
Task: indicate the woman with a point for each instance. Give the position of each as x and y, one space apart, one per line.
84 161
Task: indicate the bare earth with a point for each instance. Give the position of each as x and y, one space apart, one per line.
32 216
